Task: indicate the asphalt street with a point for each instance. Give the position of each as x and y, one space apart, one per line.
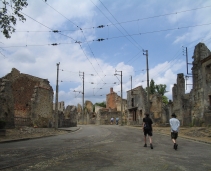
105 148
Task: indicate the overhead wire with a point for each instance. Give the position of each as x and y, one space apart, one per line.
115 37
135 20
115 26
77 41
120 25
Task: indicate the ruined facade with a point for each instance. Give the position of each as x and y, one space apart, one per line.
104 116
6 103
136 105
194 108
31 97
61 106
70 116
111 100
158 114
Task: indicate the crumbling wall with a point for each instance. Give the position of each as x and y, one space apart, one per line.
32 98
104 116
41 106
71 113
201 85
6 103
156 104
136 105
178 91
111 99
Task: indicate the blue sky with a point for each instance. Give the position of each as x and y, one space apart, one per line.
130 26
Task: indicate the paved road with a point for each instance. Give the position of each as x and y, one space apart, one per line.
104 148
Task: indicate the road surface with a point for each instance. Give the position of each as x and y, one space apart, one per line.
104 148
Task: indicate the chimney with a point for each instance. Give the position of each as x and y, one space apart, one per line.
111 90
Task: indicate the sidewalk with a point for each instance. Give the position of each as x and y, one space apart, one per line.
27 133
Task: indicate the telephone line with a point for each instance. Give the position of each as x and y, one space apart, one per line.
135 34
115 26
135 20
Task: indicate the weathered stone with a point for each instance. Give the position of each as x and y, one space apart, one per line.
31 97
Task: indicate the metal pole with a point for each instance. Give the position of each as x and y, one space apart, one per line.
131 82
56 101
83 98
121 101
148 106
147 81
187 58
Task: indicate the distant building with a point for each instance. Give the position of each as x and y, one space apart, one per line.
136 105
61 106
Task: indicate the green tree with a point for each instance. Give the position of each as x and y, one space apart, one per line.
103 104
165 99
152 89
9 18
161 89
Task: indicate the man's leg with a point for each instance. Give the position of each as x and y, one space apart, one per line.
173 138
150 140
145 139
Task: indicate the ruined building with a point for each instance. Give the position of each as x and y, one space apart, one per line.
61 106
136 105
113 102
194 108
26 96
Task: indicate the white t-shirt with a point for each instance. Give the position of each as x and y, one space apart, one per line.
175 124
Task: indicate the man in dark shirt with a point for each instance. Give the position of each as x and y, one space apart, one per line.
147 129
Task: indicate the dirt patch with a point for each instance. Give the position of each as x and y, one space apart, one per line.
195 133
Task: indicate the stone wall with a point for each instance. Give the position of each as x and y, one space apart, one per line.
136 105
32 98
71 113
61 106
6 103
201 85
104 116
194 108
111 99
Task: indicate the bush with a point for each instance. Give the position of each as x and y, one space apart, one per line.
2 124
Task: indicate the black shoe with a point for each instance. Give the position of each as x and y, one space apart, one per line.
151 146
176 146
145 145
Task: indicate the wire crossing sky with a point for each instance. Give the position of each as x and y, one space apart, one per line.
98 37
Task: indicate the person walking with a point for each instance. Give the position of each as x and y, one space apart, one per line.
117 121
147 129
112 120
175 124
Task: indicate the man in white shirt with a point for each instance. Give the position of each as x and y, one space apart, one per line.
175 124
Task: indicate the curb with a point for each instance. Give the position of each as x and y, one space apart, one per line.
25 139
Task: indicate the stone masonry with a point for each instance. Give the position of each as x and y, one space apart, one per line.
32 98
194 108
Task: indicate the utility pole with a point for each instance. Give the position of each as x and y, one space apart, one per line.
146 54
131 81
121 98
56 100
82 96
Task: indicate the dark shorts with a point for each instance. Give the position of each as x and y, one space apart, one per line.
174 135
147 132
